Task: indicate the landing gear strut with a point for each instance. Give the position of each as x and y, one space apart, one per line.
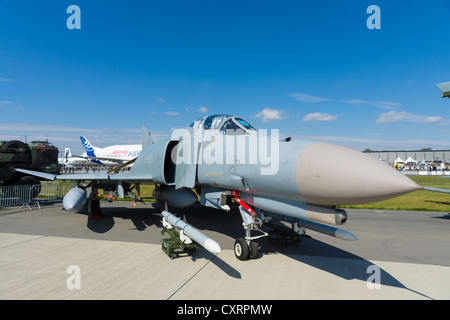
246 248
94 204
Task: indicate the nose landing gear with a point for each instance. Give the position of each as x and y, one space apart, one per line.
246 248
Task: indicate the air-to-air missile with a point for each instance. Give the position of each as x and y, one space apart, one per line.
192 233
225 158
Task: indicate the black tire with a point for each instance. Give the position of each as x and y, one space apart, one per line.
241 249
253 250
14 144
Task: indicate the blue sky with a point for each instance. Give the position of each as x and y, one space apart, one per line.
311 69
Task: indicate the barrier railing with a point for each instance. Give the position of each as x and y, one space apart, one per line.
32 195
426 173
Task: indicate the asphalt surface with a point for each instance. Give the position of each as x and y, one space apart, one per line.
410 249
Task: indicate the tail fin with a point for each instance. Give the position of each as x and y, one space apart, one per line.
67 153
146 136
89 149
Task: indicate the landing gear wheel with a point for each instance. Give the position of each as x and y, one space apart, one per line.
253 249
241 249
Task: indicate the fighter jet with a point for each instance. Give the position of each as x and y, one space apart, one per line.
227 161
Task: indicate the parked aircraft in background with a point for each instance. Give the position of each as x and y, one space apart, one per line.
69 160
111 155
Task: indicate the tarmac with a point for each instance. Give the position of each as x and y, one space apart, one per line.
52 254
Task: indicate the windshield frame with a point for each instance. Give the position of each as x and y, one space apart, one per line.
216 123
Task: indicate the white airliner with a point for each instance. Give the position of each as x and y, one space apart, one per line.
111 155
69 160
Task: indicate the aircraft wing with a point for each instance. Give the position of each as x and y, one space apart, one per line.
139 177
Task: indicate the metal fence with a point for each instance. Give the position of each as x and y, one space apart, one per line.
33 195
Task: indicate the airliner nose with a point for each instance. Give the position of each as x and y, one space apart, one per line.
328 174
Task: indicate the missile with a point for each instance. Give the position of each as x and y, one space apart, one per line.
193 233
295 209
75 199
331 231
307 224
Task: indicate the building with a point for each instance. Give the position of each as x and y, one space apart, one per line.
418 155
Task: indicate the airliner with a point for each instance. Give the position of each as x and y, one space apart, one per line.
111 155
69 160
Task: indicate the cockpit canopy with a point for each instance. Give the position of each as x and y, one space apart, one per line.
225 124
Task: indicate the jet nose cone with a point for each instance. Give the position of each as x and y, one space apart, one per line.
329 174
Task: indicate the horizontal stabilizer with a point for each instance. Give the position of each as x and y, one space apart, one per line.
126 164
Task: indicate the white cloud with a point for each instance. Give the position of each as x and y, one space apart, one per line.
303 97
361 143
268 115
202 109
172 113
435 119
393 116
317 116
4 102
379 104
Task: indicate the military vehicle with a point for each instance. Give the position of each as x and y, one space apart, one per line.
37 155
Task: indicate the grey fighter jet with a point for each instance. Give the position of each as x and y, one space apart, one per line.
228 161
